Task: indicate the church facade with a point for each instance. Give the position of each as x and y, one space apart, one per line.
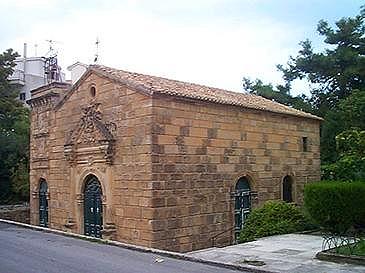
162 163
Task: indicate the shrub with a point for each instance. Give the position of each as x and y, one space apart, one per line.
336 206
274 217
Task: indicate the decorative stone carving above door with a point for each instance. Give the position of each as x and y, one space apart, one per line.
92 137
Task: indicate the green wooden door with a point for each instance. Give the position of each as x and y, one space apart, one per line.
242 206
43 204
93 209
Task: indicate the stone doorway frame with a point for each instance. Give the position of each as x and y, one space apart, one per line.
105 181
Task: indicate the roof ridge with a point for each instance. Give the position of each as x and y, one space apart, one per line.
156 84
169 79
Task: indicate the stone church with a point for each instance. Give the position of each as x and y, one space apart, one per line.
162 163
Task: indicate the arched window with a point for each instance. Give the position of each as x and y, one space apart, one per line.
243 184
93 91
43 203
287 189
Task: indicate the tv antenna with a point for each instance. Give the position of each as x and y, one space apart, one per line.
96 58
52 71
51 50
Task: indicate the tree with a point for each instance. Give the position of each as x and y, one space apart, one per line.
337 71
14 136
348 115
337 77
350 165
281 94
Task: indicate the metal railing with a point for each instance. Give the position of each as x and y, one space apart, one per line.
213 239
17 76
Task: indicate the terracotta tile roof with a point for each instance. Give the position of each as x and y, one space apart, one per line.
153 84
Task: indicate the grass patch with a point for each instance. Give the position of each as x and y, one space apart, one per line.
358 249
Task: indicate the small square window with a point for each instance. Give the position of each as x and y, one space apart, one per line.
22 96
305 144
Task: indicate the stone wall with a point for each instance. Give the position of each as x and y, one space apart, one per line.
41 129
200 150
17 213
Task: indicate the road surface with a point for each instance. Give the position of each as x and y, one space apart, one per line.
24 251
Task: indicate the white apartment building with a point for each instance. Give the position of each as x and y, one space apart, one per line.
33 72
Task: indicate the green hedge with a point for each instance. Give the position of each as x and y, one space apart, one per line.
274 217
336 206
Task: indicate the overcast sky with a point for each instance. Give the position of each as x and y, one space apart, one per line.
212 42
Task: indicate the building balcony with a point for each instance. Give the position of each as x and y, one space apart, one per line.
17 77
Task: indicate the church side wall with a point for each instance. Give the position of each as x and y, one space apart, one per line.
200 150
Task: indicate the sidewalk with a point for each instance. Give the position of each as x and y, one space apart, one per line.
292 253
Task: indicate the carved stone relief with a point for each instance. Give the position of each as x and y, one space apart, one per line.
41 126
92 140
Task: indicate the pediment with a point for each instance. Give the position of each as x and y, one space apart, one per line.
92 139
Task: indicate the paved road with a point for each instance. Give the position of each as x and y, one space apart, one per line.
24 251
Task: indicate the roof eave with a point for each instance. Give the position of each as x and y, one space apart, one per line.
148 91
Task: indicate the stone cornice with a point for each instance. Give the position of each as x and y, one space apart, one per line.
48 99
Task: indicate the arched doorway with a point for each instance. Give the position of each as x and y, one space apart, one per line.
242 202
43 203
93 209
287 189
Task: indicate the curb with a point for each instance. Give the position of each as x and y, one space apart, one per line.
164 253
339 258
